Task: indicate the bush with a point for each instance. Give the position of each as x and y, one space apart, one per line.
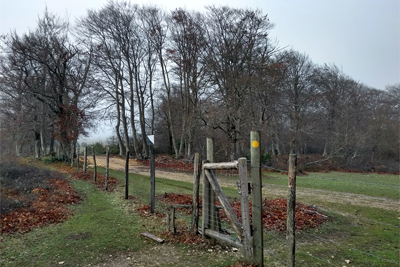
8 205
25 178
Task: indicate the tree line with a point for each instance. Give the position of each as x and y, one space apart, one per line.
184 76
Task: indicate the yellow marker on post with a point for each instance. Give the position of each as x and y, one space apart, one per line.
255 143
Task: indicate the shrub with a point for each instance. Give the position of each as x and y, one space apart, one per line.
25 178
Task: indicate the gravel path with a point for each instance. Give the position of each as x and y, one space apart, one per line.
269 190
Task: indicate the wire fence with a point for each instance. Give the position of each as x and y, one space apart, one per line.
327 262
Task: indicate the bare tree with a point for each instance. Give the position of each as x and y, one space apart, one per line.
237 46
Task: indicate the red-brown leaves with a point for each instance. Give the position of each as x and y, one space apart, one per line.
274 212
49 206
168 162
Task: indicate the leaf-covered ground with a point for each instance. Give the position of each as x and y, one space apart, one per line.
46 203
49 206
274 212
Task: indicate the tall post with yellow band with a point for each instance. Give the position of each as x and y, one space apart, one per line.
258 254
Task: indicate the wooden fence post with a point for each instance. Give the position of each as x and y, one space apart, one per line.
126 174
85 159
213 223
205 222
291 206
244 203
77 158
152 179
196 186
258 250
107 166
95 165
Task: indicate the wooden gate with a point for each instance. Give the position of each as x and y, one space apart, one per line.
212 189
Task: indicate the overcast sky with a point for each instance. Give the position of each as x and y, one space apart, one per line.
360 36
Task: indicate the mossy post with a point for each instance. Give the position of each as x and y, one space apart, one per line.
258 253
291 205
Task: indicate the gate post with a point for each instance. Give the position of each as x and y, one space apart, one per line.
258 253
244 204
213 223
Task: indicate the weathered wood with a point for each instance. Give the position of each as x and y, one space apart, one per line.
244 203
77 158
151 236
205 222
85 159
173 221
221 165
196 187
224 238
225 203
291 204
94 162
187 206
152 180
212 214
258 251
126 174
107 167
168 222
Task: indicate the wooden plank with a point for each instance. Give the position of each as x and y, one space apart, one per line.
224 238
291 204
225 203
151 236
221 165
244 203
196 188
258 251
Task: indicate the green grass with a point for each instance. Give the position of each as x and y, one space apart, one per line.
98 228
375 185
105 225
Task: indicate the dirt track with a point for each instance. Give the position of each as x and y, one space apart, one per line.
268 190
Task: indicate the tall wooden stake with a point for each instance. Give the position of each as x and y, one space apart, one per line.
85 159
77 158
152 179
196 186
213 222
107 166
258 253
95 165
126 174
244 203
291 205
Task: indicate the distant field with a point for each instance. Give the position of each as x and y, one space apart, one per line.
369 184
